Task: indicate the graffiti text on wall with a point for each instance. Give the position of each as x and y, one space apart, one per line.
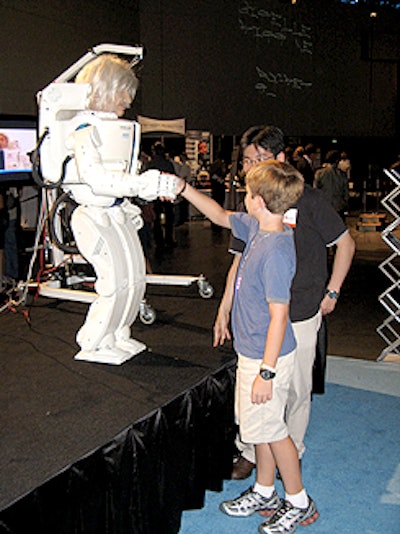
268 25
269 82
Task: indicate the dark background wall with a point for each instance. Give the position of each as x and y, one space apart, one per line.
233 63
40 39
318 69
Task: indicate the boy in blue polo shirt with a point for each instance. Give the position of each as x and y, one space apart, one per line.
264 341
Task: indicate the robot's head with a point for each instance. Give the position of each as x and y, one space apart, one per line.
113 83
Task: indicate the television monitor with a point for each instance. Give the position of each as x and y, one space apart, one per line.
18 135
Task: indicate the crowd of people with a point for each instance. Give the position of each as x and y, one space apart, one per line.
160 217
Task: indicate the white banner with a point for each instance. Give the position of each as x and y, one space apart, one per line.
174 126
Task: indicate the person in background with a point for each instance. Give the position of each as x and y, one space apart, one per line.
303 163
264 341
183 170
314 293
312 155
11 253
396 165
333 183
217 178
3 226
163 233
147 208
289 155
344 165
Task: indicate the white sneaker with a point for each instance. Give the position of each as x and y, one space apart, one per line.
249 502
287 518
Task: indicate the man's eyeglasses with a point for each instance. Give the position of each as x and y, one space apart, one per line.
258 159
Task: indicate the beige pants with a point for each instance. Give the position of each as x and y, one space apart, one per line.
262 423
299 399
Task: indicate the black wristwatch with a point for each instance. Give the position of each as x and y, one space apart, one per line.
266 372
332 294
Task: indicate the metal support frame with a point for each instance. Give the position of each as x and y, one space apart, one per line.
389 330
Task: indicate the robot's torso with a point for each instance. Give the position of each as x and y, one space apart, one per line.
107 157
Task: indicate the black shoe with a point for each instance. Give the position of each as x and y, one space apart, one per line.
242 469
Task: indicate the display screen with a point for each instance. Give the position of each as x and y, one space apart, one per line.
17 139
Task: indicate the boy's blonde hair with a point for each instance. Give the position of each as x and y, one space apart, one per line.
108 75
279 184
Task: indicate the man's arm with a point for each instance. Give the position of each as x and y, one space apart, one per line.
341 265
221 325
206 205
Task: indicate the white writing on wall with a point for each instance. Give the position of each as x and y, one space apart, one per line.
269 81
284 38
271 26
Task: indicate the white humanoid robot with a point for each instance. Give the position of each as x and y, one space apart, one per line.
92 154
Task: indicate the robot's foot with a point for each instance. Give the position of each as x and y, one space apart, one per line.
130 345
112 356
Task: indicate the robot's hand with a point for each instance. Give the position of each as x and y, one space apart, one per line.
153 184
133 212
168 186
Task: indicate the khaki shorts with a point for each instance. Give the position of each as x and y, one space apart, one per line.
262 423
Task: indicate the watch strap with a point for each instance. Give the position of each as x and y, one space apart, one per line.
267 372
332 293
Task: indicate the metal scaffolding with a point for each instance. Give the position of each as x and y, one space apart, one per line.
389 330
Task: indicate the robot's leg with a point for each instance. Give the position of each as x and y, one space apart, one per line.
132 256
99 241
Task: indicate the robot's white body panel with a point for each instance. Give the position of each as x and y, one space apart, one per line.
102 170
108 239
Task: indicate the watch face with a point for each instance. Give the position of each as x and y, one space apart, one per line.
266 374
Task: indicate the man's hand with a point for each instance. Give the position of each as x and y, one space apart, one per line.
327 305
261 391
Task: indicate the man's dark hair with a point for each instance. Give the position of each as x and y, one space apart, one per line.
333 157
310 149
267 137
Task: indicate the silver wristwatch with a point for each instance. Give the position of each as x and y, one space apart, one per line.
266 372
332 294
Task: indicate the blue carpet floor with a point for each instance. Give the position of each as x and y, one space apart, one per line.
352 464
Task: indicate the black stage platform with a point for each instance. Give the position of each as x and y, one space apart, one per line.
91 448
119 449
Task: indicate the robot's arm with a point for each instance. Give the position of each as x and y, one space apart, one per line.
84 143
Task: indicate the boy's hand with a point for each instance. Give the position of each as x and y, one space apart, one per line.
221 328
261 391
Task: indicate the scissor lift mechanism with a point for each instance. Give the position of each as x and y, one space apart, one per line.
389 330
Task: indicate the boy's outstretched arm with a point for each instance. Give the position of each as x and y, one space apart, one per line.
206 205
